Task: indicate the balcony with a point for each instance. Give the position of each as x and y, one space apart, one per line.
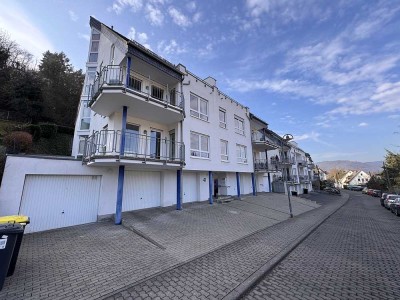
291 179
152 97
103 148
301 162
304 178
261 165
261 142
282 161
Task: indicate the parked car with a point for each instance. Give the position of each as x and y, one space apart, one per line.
355 188
383 197
389 199
365 190
370 191
376 193
395 207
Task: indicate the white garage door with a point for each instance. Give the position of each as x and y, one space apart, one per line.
55 201
189 187
246 185
141 190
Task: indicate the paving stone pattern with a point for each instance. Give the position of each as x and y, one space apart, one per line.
201 227
353 255
217 273
89 261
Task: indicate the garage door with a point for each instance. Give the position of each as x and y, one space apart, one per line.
141 190
246 186
53 201
189 187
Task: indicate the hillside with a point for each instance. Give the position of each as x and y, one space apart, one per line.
373 166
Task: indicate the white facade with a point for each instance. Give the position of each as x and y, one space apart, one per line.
142 123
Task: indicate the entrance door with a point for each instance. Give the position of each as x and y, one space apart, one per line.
132 139
155 144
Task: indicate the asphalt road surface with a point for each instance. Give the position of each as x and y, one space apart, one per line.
355 254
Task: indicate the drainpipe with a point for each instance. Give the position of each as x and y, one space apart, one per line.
121 170
210 185
253 181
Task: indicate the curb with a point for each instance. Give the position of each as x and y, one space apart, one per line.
243 288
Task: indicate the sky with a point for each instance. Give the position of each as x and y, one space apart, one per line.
326 72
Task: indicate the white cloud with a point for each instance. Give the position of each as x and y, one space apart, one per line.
142 37
191 6
307 136
394 116
362 124
132 33
178 17
196 17
154 15
73 16
171 47
19 26
119 5
84 36
257 7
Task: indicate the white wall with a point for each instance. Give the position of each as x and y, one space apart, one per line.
214 131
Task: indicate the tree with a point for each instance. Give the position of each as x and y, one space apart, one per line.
62 88
391 171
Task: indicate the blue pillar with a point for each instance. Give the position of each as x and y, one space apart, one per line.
254 184
178 190
210 185
238 184
121 171
120 191
269 183
128 71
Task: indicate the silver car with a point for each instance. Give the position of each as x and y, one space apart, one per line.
389 199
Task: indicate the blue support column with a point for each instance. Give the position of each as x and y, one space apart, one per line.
269 183
121 171
238 184
120 191
254 184
128 71
178 190
210 185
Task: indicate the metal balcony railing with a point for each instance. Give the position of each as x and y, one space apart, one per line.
107 144
304 178
115 76
263 165
301 162
282 160
291 178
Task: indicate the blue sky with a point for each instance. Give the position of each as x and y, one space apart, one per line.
325 71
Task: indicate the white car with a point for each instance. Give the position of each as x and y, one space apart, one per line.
389 199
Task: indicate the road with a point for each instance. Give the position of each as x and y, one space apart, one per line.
355 254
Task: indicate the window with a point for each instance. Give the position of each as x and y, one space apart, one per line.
95 36
81 146
224 150
112 54
95 46
135 83
199 145
198 107
157 92
241 153
85 118
239 125
93 57
222 118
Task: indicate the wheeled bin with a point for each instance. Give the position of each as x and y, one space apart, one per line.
23 221
8 238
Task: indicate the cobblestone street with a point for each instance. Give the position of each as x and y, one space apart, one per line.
353 255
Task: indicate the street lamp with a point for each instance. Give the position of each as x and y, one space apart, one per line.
287 137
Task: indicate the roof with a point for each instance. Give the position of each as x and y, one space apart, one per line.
252 116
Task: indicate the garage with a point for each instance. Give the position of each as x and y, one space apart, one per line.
56 201
141 190
189 187
246 186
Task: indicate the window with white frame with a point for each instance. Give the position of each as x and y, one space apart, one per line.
199 145
239 125
94 47
222 118
198 107
241 153
224 150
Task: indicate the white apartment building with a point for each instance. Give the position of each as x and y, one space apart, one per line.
148 134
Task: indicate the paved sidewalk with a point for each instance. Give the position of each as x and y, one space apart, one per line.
221 273
93 260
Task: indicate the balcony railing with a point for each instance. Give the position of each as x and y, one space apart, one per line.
302 162
291 178
263 165
304 178
283 161
107 144
115 76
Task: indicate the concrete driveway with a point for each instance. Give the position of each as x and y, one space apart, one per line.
89 261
